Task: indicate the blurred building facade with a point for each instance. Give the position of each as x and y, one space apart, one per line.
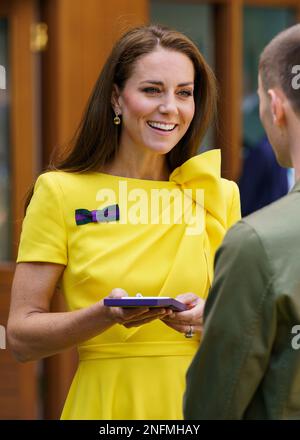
52 51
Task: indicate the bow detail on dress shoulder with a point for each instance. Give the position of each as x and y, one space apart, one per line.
204 172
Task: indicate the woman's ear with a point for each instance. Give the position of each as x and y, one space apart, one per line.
115 100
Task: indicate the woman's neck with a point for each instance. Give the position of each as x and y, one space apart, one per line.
147 167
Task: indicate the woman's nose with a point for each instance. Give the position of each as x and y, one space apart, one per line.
168 105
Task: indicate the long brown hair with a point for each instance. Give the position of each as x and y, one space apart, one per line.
96 140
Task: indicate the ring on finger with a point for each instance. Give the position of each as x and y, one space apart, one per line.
190 332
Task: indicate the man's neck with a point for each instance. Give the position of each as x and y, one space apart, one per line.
294 143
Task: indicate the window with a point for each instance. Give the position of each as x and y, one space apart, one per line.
262 180
260 26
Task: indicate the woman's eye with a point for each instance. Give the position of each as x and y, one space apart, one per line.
152 90
186 93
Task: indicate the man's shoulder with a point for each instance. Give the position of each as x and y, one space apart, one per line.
278 217
242 241
272 232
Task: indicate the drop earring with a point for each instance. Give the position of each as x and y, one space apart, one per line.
117 120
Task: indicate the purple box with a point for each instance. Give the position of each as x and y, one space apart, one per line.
151 301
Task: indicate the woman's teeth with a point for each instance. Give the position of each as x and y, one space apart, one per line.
161 126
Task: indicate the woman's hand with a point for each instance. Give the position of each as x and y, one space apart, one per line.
189 321
136 316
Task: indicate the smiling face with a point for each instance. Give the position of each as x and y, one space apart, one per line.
156 103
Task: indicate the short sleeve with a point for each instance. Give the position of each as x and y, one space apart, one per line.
44 235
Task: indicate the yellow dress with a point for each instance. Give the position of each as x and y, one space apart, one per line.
136 373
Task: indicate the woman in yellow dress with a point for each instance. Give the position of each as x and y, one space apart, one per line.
131 209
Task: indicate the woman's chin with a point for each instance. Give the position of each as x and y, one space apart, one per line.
160 149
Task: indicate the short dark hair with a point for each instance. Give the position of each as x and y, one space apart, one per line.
277 61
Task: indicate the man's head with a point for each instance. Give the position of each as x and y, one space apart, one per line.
279 90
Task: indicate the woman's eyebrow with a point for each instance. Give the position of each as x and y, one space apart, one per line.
160 83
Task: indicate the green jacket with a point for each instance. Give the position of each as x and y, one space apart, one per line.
248 364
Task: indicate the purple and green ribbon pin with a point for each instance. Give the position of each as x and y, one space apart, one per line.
109 214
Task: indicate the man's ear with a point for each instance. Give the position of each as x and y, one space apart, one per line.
277 107
115 100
